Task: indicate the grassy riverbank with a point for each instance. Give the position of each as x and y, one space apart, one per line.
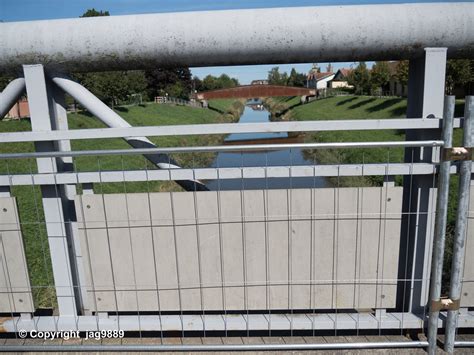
350 107
29 197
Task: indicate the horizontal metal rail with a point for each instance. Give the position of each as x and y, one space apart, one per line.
464 344
226 148
381 169
234 347
232 322
226 128
239 37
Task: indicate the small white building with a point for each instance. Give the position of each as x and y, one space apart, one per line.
341 79
319 80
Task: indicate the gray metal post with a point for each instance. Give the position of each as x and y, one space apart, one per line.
440 225
457 267
42 119
68 192
425 99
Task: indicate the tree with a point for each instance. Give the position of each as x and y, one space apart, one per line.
459 72
402 72
296 79
4 80
94 13
275 78
175 82
224 81
360 79
197 84
379 76
114 87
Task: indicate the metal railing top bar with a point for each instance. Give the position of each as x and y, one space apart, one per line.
226 128
311 171
225 148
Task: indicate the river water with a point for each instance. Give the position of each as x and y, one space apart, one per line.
282 157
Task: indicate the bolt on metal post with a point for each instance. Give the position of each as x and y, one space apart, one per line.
440 225
459 248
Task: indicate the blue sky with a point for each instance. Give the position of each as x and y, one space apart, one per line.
27 10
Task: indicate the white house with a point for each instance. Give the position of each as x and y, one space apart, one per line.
341 79
319 80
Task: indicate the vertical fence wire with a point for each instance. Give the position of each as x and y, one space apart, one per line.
197 223
173 216
155 257
129 230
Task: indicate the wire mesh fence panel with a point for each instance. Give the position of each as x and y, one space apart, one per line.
277 246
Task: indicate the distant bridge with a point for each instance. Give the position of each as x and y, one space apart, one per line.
252 91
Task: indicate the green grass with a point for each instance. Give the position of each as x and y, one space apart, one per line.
351 107
355 107
29 197
222 105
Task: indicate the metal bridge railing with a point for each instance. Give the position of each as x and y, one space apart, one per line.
284 245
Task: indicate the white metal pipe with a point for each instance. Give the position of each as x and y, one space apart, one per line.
223 347
236 37
377 169
226 128
225 148
112 119
91 102
10 95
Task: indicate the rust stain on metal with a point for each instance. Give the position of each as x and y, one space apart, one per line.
2 322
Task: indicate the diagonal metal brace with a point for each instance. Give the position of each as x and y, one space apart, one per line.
457 153
445 304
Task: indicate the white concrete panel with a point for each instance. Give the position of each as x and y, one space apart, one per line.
166 267
300 238
116 210
367 250
90 210
8 214
255 249
278 248
102 280
211 274
160 207
207 216
138 209
314 248
188 267
345 247
188 254
15 289
323 237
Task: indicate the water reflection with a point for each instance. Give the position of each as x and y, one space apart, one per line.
282 157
